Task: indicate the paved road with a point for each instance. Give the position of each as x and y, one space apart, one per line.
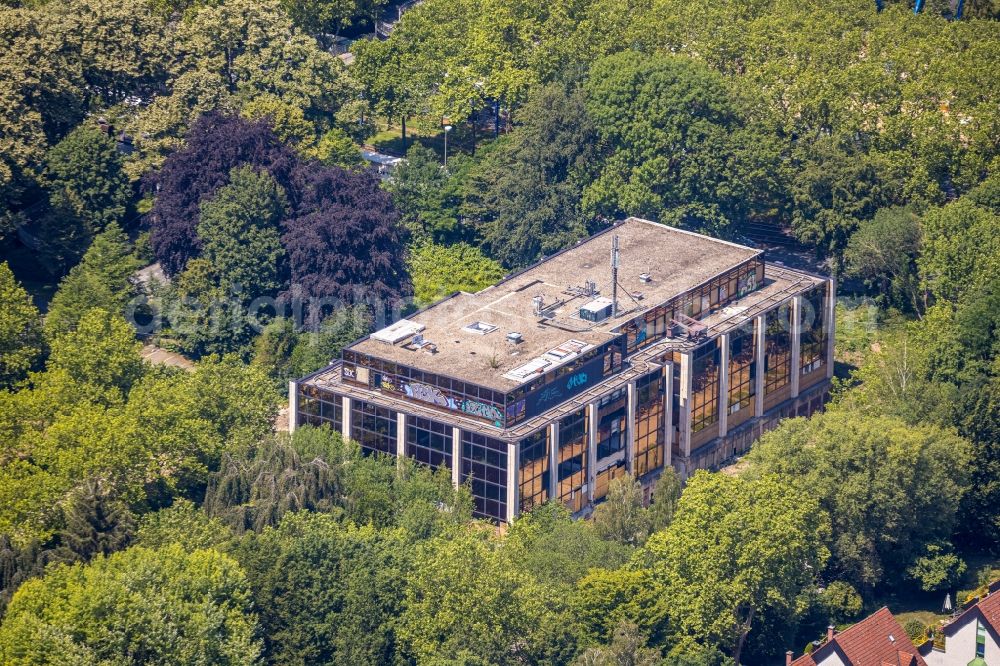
159 356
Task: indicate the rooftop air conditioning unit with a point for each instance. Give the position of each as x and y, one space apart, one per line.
597 310
514 338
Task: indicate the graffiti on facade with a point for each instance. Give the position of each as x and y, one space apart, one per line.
431 394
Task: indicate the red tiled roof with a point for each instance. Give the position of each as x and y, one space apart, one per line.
868 643
988 607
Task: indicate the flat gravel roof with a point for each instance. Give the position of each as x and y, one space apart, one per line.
676 261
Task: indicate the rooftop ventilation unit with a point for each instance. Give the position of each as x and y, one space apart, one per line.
597 310
479 328
538 305
404 329
514 338
645 277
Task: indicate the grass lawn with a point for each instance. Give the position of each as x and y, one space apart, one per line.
460 140
926 606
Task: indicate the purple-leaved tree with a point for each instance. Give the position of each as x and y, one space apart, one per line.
341 231
345 239
215 145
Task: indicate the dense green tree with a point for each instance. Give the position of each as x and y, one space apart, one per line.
102 279
439 270
627 647
961 249
606 598
672 132
287 121
42 98
170 606
320 343
21 340
663 502
101 354
327 592
526 193
257 487
837 603
937 569
163 442
323 17
883 252
464 599
232 53
60 236
738 554
422 191
202 317
84 176
182 523
385 70
621 516
889 488
94 524
336 148
238 228
272 349
286 352
560 551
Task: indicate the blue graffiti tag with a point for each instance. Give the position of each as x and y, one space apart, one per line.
577 380
549 394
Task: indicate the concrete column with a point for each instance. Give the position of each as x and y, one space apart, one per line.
831 325
591 450
400 435
723 384
553 460
293 406
758 381
456 456
347 417
796 344
684 422
630 433
668 415
513 494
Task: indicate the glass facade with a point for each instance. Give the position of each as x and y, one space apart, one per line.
534 470
777 349
428 442
484 460
318 407
742 368
649 430
699 302
705 386
373 427
603 479
812 318
572 459
612 417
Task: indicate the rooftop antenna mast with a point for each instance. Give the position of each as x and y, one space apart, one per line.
614 276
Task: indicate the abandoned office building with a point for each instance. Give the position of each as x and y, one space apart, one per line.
640 347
